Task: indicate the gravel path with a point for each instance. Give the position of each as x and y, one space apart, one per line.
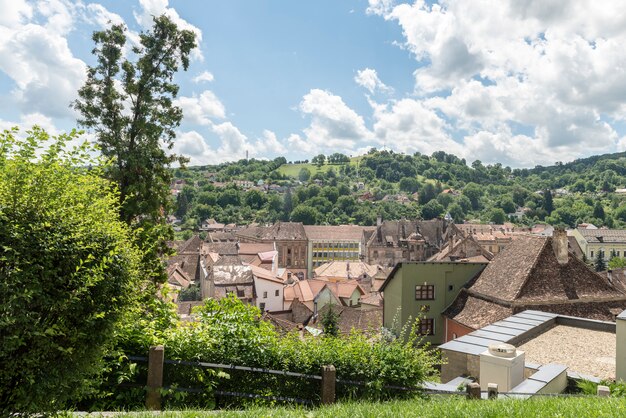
581 350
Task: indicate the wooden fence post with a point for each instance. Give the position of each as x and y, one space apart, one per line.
473 390
329 379
492 391
155 378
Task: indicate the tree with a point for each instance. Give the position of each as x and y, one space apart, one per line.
456 211
409 184
598 210
497 216
255 199
432 209
305 214
548 205
473 192
129 107
599 263
304 175
69 271
330 322
319 160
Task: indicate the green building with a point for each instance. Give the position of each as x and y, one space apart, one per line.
427 288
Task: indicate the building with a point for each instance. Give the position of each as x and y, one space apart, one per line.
603 241
289 239
462 249
268 290
334 243
401 241
229 279
211 225
415 289
537 273
493 237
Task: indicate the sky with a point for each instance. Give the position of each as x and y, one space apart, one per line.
516 82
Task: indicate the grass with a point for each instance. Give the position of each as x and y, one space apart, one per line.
433 407
293 170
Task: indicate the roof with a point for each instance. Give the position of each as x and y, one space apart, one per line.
346 269
603 235
398 266
255 247
283 326
336 232
527 275
463 249
221 248
263 274
188 263
192 245
235 279
350 318
307 290
280 231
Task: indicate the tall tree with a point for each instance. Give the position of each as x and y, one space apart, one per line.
599 263
129 107
548 205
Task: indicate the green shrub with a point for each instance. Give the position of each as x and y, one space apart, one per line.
68 271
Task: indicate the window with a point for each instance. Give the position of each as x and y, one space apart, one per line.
427 326
288 250
277 292
450 287
264 295
592 254
262 307
240 293
425 292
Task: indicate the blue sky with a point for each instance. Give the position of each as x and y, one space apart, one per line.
521 82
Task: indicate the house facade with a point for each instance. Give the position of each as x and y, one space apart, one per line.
424 289
603 241
537 273
334 243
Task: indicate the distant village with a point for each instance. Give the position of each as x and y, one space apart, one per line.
458 277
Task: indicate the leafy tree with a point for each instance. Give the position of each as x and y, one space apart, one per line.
330 322
599 263
304 175
255 199
445 199
305 214
497 216
129 107
617 263
69 271
319 160
548 205
409 184
473 192
428 193
598 210
432 209
456 211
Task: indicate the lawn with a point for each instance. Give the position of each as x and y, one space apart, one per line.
434 407
293 170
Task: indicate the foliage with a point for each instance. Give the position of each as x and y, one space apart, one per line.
129 107
617 388
330 322
599 264
69 270
230 332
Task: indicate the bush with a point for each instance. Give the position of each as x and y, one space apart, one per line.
69 271
229 332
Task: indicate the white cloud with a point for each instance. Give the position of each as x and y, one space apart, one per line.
512 75
408 126
268 144
203 76
36 56
201 109
153 8
368 78
334 125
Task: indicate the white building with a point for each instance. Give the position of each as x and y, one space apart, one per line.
269 290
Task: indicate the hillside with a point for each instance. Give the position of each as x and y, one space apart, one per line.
395 185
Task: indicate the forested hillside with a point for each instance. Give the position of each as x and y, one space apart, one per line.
393 185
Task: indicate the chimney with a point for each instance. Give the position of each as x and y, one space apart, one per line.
559 245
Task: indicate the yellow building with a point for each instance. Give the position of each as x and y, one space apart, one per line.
604 241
